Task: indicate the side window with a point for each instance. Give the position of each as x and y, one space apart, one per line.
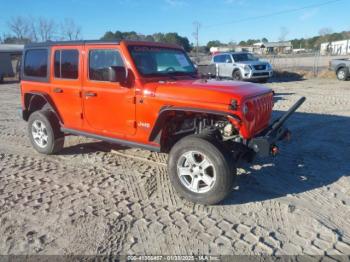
216 59
35 63
100 60
66 64
219 59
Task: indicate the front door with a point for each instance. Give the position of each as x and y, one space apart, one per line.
109 107
65 81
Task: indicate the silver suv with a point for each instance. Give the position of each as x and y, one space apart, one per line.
241 66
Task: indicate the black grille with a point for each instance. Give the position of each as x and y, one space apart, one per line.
260 67
261 74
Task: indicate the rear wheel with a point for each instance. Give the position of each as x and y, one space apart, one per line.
201 170
342 74
44 132
236 75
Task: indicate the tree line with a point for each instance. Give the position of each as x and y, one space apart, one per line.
325 35
29 29
171 38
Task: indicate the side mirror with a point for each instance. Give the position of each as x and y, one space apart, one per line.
117 74
228 61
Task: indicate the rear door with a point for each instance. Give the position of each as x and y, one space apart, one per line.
109 107
227 66
66 79
222 64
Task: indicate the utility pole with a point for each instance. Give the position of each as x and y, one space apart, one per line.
195 34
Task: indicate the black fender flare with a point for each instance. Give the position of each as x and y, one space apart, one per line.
28 104
342 65
164 111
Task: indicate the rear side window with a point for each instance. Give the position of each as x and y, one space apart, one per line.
219 59
100 61
66 64
35 63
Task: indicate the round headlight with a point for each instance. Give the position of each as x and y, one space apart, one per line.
245 109
248 111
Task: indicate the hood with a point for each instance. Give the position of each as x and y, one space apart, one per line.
253 62
209 91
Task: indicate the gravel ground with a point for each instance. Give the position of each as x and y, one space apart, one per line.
95 198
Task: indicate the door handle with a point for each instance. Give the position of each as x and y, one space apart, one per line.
90 94
58 90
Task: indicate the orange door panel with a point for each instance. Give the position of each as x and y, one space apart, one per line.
66 65
109 107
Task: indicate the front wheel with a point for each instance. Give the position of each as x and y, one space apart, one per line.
201 170
236 75
342 74
44 132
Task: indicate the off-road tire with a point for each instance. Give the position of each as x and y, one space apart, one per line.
55 138
236 75
342 74
222 162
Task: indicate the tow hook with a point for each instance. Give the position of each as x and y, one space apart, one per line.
274 150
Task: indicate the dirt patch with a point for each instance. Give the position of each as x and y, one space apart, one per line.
95 198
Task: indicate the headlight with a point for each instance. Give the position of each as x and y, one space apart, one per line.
269 67
248 111
245 109
247 68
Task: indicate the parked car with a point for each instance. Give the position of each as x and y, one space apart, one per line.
242 66
6 69
341 67
149 95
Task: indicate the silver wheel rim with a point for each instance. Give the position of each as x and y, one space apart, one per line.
341 74
196 172
39 133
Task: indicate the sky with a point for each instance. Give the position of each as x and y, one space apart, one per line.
224 20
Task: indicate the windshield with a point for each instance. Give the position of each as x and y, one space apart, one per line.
152 60
244 57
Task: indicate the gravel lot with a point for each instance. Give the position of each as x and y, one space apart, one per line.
95 198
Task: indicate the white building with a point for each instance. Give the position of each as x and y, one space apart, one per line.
341 47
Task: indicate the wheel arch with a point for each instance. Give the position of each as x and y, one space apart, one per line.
34 101
341 66
170 111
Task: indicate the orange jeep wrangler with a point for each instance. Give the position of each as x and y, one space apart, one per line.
149 95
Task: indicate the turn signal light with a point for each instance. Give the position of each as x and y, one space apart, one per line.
274 150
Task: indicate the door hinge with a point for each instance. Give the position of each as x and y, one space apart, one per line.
81 115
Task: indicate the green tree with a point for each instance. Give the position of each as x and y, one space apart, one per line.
214 43
172 38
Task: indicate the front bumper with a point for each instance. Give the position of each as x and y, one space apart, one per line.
265 143
254 74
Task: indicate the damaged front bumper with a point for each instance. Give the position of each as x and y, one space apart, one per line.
265 143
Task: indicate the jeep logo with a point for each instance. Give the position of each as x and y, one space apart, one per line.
143 125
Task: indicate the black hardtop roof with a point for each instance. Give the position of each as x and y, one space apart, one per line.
78 42
97 42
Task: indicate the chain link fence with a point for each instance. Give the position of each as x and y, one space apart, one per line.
311 64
